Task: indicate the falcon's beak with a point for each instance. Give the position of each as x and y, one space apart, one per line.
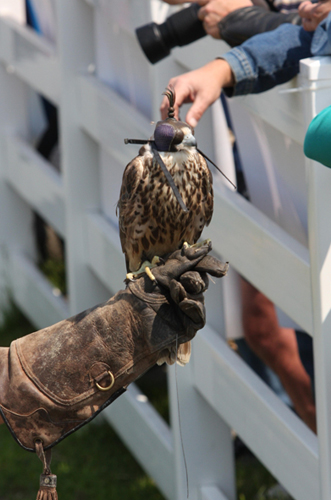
189 141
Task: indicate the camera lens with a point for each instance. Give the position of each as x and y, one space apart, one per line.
180 29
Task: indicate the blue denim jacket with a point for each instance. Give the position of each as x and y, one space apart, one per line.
273 58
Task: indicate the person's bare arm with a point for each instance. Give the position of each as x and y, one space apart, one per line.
313 13
201 87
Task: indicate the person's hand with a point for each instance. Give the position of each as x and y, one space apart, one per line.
176 300
213 11
313 13
183 277
177 2
201 87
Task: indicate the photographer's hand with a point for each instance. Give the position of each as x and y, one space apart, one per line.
175 2
201 87
313 13
213 11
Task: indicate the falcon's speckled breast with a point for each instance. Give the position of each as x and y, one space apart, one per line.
151 219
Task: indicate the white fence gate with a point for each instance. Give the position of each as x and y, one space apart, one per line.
105 90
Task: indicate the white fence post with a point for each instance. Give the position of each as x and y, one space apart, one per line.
16 215
13 116
316 76
79 153
201 438
320 240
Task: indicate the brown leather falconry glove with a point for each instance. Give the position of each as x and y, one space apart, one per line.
57 379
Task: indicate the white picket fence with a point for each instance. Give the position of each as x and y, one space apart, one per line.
105 91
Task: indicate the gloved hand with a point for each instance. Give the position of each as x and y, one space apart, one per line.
182 281
57 379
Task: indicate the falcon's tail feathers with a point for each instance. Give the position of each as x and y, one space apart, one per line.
184 353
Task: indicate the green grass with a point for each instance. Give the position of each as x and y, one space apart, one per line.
254 480
13 325
154 385
93 464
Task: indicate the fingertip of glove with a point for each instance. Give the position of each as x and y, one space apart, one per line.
195 311
192 282
212 266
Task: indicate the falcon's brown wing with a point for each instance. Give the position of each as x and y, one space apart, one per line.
132 176
202 199
208 187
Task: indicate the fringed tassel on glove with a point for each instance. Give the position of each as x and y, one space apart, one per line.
47 489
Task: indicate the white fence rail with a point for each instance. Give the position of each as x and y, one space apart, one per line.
105 91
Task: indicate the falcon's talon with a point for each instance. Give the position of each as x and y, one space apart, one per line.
200 244
204 243
196 246
185 246
150 274
156 260
145 268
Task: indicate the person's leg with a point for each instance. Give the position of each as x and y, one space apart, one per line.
278 348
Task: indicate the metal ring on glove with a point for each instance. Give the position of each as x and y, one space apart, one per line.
112 382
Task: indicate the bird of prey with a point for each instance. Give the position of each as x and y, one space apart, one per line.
157 214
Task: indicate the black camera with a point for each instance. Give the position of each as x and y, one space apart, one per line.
180 29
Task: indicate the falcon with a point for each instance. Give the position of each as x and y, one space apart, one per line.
159 212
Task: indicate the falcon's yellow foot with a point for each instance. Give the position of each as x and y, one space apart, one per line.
196 245
145 268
